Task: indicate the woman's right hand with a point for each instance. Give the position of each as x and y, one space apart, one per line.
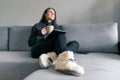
44 31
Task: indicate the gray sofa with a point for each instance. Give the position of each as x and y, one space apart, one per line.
99 41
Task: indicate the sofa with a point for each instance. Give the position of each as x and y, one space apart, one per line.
98 53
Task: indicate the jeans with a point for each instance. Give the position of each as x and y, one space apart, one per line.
55 42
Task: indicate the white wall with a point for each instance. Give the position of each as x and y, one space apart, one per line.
28 12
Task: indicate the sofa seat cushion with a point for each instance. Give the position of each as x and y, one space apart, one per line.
98 66
16 57
16 65
99 37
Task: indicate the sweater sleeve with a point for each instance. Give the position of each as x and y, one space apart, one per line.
33 37
36 35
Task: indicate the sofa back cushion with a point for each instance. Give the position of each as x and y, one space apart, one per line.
100 37
3 38
18 38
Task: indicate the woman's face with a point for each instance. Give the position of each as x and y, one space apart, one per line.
50 15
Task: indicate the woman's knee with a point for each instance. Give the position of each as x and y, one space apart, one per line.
75 43
73 46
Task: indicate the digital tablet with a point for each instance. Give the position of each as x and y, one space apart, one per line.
58 30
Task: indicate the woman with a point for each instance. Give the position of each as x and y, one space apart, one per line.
44 38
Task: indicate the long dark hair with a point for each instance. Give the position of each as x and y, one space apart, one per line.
54 22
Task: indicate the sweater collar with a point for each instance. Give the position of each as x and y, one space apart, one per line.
47 23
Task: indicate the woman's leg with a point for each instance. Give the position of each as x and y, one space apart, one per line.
40 48
61 45
73 46
55 43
